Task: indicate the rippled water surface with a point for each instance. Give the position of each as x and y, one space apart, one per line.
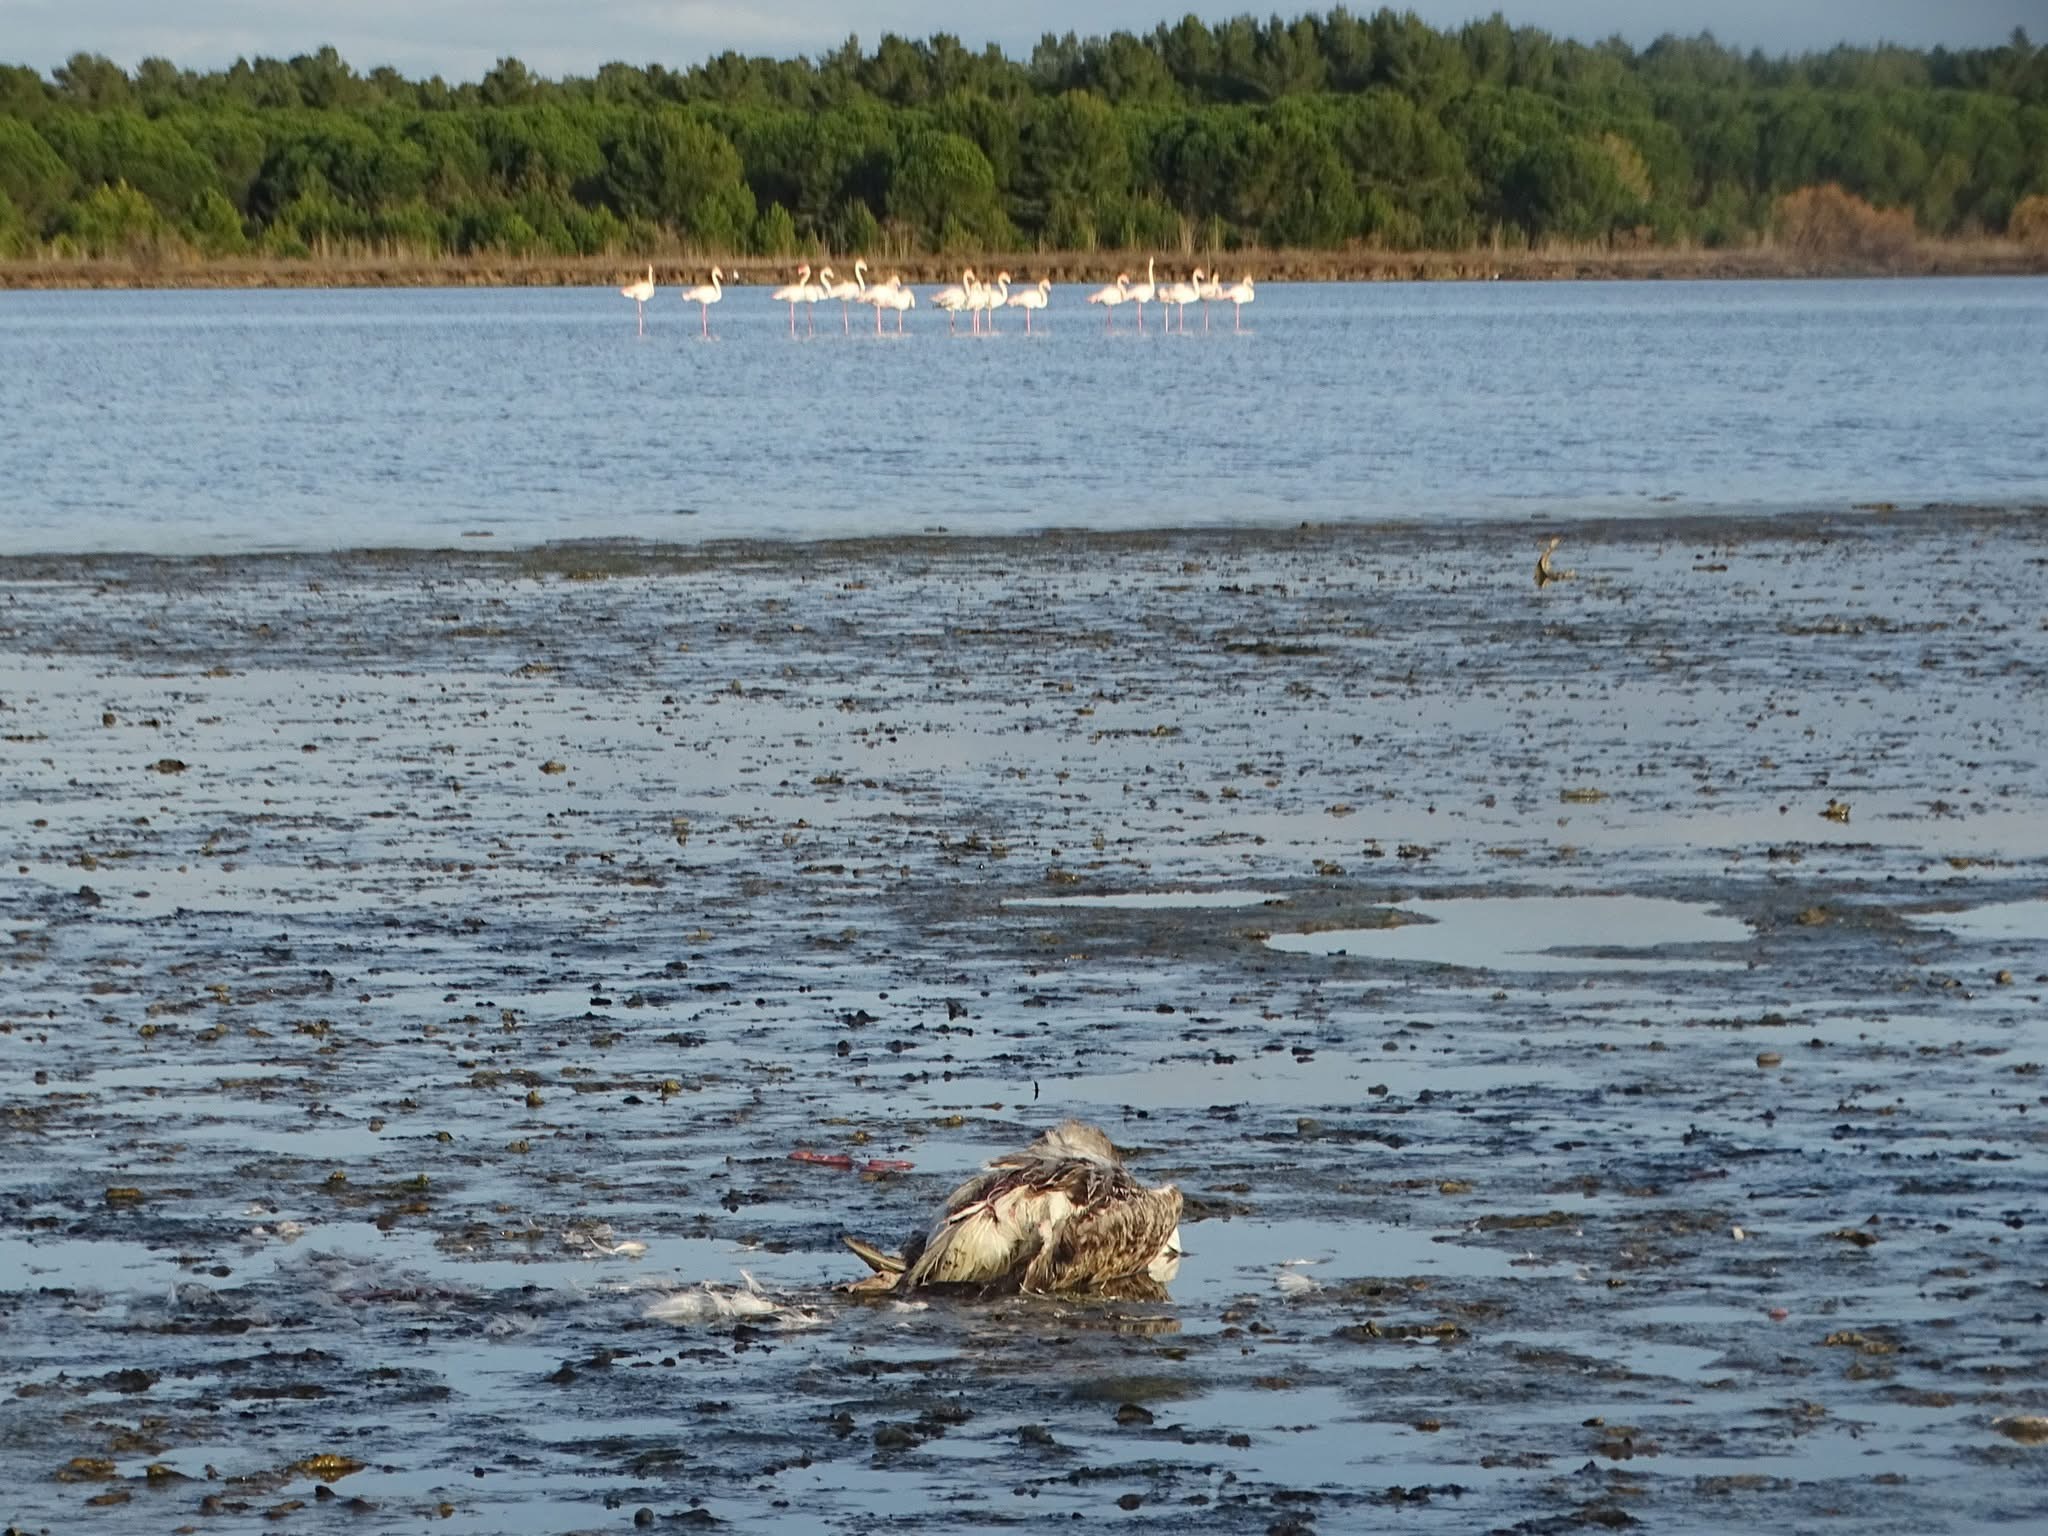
175 421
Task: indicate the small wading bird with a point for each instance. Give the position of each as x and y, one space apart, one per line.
1546 573
1062 1217
640 292
1032 299
802 291
705 295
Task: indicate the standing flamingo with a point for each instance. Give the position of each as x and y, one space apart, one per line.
988 299
845 293
802 291
873 297
1143 293
1240 294
1181 295
640 292
893 295
953 298
1032 299
1212 290
1118 292
704 296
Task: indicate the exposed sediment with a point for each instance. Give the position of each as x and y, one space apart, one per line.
396 942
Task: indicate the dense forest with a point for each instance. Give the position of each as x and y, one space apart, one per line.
1326 131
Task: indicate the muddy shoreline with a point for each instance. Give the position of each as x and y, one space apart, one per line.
419 966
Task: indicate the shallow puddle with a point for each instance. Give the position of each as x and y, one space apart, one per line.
1535 933
1142 901
2000 920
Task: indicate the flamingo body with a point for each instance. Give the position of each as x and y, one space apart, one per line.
704 295
1143 293
1032 299
1182 294
802 291
640 292
1240 294
954 297
846 293
1118 292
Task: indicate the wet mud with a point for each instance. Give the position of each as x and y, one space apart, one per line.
1598 1029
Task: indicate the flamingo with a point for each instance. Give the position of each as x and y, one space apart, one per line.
705 295
988 299
893 295
1181 295
872 297
1212 290
1118 292
1032 299
1143 294
953 299
845 293
1240 294
802 291
640 292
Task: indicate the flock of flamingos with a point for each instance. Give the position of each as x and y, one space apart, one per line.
969 296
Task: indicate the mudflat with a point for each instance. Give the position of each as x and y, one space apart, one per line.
1596 1027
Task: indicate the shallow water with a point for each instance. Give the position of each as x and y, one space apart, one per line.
339 1039
1536 933
225 421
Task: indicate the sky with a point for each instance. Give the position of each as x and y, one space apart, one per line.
459 39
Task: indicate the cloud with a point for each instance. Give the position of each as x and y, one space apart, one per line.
462 38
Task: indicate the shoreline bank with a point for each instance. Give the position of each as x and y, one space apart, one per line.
1956 258
601 558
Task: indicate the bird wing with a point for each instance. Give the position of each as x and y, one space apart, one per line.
1107 1242
875 1258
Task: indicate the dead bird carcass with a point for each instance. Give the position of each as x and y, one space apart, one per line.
1062 1217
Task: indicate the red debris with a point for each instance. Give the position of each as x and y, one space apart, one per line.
823 1159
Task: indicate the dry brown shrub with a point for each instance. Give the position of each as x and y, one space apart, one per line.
2029 222
1825 223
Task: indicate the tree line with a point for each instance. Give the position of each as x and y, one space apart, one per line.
1322 131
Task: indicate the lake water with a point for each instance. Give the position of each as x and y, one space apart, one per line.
203 421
